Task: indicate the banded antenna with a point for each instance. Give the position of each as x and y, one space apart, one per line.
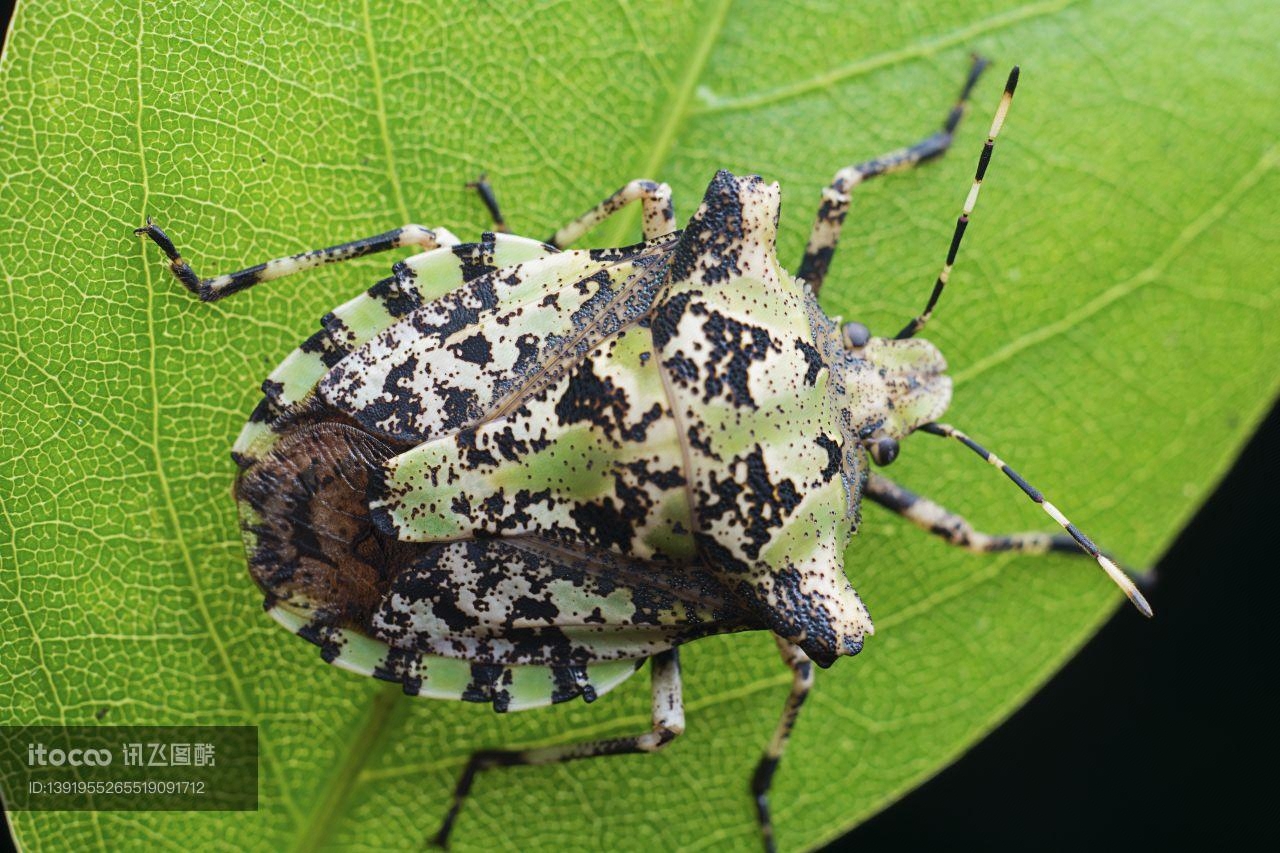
911 329
1117 574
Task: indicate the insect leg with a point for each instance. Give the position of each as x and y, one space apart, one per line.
659 216
485 190
210 289
802 681
835 198
941 522
668 722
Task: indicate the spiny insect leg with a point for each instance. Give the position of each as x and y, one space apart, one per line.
485 190
668 723
210 289
835 198
802 681
955 529
655 200
1084 543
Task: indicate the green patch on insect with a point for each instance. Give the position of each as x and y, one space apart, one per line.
512 472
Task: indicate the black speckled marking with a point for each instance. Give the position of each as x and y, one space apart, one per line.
835 455
814 360
476 259
734 346
475 349
712 240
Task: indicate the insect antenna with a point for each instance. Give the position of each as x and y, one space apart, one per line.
984 160
1117 574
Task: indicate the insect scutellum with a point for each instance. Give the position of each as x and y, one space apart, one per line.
514 472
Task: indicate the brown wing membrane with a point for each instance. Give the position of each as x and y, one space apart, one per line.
306 522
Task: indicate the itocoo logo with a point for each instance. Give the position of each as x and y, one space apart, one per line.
39 755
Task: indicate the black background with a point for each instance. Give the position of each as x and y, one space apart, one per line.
1157 734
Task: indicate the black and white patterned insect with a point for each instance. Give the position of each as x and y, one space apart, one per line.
512 473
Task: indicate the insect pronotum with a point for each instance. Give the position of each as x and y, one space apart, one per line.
512 472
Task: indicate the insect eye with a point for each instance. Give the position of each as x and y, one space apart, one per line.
883 450
856 335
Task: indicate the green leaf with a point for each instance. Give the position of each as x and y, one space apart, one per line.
1112 327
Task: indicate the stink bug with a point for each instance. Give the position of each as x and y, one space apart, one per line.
512 473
